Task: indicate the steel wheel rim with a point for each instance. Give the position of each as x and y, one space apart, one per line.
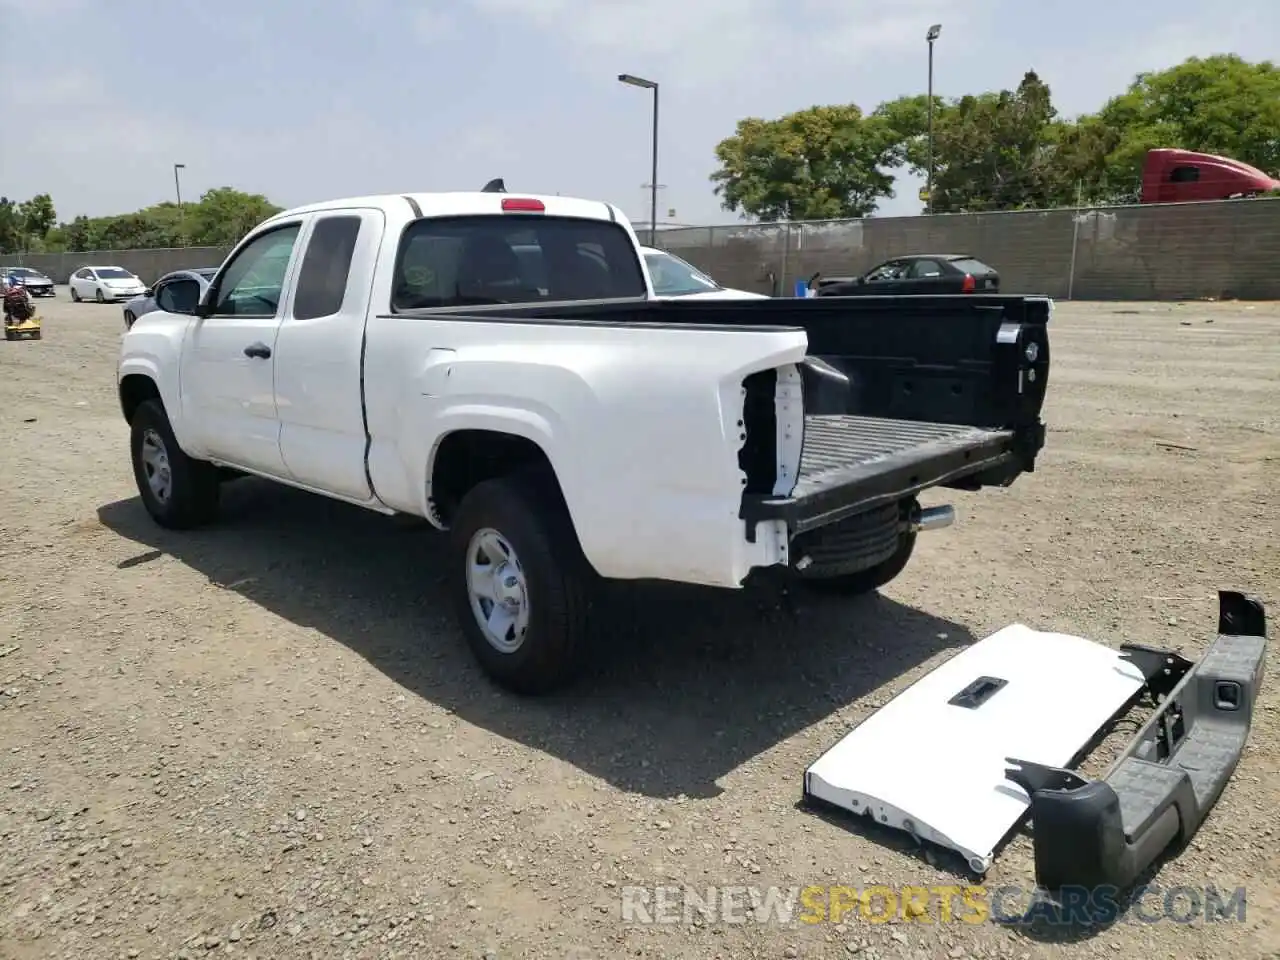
498 590
155 466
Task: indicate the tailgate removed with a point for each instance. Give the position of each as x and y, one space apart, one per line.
965 753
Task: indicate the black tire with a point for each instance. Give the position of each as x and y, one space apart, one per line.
99 297
128 319
533 520
193 489
873 578
75 297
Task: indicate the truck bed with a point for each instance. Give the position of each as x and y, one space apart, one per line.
850 464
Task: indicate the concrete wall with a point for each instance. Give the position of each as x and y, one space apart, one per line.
1156 252
147 264
1164 252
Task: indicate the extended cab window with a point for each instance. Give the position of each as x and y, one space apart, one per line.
322 280
461 261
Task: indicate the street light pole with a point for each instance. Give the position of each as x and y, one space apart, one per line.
931 36
177 186
653 173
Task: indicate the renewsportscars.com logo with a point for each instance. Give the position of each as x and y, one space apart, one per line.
934 904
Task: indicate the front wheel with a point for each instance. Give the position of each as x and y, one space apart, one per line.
99 297
520 584
178 491
128 319
75 296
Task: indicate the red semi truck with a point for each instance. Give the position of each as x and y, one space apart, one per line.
1179 176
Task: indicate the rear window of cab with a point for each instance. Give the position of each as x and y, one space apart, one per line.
478 260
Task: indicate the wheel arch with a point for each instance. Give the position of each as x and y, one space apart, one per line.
466 457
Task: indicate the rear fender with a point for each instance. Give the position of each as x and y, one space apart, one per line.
645 442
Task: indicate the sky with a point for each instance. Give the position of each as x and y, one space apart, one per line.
306 101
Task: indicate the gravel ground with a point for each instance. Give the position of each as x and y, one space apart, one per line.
266 738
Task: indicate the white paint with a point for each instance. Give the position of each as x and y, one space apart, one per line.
640 424
937 771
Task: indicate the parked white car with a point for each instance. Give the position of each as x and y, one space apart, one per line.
499 366
105 284
672 277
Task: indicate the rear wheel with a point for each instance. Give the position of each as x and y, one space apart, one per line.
520 584
178 491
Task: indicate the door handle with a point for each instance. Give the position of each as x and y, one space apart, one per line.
258 350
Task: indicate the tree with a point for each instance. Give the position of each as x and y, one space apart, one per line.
11 231
224 215
220 218
995 151
1221 104
37 216
820 163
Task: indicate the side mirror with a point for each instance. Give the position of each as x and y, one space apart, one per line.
149 292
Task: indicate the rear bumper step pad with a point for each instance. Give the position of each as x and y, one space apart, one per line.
1161 788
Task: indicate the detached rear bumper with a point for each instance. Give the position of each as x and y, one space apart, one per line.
1159 791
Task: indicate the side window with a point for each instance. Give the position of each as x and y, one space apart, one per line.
886 271
254 282
1184 175
322 280
924 268
82 275
178 296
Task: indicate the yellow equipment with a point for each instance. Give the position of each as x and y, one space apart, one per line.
28 329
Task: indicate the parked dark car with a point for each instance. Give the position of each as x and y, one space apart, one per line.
920 273
177 292
37 284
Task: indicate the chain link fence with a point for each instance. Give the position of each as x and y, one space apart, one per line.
1225 249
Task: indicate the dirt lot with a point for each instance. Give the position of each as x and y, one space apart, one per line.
266 739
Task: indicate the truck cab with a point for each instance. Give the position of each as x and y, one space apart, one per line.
1181 176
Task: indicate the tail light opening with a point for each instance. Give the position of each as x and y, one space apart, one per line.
969 284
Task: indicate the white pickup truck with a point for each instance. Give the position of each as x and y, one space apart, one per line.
498 365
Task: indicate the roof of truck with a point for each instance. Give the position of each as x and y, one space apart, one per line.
456 203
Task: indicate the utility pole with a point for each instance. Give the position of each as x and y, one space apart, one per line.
177 186
644 84
930 37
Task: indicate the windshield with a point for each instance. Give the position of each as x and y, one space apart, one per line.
113 273
466 261
208 274
672 277
23 272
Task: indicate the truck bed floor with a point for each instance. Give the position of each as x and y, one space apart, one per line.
840 449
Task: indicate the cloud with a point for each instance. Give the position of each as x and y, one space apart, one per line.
432 24
721 41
